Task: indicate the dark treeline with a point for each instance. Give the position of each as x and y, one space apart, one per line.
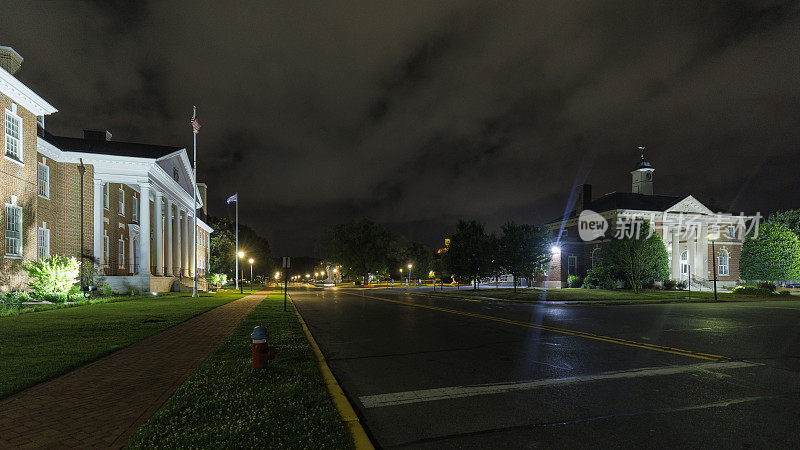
223 249
362 247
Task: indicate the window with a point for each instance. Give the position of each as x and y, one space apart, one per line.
135 208
684 264
13 139
44 180
723 267
121 201
594 256
105 250
44 243
731 231
13 231
121 253
105 195
572 265
40 121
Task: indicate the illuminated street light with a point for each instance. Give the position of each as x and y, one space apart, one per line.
555 249
251 274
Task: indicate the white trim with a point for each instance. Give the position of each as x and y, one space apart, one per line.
204 226
121 201
43 242
20 141
18 92
39 180
20 235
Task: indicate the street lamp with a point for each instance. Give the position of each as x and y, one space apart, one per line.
238 279
251 274
409 274
713 237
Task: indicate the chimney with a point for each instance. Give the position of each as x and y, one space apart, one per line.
584 198
97 135
203 188
10 60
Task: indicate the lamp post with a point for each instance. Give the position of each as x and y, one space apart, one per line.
401 274
713 237
409 275
241 285
251 274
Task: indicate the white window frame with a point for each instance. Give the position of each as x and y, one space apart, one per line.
13 235
732 231
105 196
106 248
723 263
121 202
572 262
44 181
121 253
9 119
43 247
684 263
134 208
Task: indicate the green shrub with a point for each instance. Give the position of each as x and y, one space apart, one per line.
599 278
223 278
681 285
768 285
750 290
107 291
213 278
785 292
574 281
53 297
55 274
669 285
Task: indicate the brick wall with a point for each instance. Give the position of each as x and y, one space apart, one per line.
19 180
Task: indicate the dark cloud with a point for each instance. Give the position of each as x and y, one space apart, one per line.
417 113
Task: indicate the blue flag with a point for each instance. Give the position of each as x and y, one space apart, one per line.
233 198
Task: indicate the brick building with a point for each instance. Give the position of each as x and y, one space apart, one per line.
685 225
137 199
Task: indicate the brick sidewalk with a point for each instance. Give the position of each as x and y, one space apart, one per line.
104 402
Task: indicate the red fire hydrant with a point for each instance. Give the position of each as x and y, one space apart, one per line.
262 352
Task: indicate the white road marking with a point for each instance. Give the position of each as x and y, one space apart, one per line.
448 393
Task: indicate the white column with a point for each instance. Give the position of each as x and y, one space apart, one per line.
98 222
176 255
676 253
691 243
702 251
192 248
185 244
158 210
168 238
144 228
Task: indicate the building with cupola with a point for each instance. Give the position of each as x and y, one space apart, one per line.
699 241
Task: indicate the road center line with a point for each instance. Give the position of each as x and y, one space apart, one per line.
449 393
583 334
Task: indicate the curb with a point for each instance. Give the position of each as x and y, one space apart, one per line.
343 406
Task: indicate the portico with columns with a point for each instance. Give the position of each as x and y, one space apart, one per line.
143 211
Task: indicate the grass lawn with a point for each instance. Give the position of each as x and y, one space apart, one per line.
600 295
226 404
38 346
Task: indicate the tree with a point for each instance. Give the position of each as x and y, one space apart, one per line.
421 257
773 255
523 249
790 218
469 254
359 247
223 247
636 259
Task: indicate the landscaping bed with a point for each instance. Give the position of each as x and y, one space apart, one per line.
38 347
226 404
526 295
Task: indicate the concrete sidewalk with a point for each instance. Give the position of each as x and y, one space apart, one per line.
103 403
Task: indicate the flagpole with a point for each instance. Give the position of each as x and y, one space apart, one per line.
236 256
194 209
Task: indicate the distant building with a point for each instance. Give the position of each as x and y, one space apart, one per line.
137 199
683 223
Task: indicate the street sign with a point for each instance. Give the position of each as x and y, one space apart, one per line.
287 262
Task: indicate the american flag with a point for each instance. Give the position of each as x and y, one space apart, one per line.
194 122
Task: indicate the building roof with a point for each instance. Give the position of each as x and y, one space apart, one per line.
629 200
106 147
643 164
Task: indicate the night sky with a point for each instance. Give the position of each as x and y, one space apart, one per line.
418 113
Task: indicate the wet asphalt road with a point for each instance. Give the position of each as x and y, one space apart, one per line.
661 375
